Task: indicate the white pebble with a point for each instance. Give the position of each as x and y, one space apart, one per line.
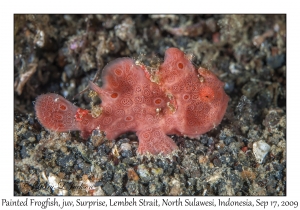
260 150
125 146
53 181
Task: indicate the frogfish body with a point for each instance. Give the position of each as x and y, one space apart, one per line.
173 99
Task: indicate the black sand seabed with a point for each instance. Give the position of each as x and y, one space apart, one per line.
61 53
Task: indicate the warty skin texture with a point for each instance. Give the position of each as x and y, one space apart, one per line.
174 99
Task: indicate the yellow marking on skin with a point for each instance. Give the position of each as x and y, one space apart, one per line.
171 107
201 79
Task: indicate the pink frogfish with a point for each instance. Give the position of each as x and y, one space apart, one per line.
173 99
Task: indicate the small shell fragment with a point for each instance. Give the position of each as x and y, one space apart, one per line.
260 150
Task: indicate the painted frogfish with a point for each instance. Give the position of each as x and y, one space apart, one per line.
173 99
